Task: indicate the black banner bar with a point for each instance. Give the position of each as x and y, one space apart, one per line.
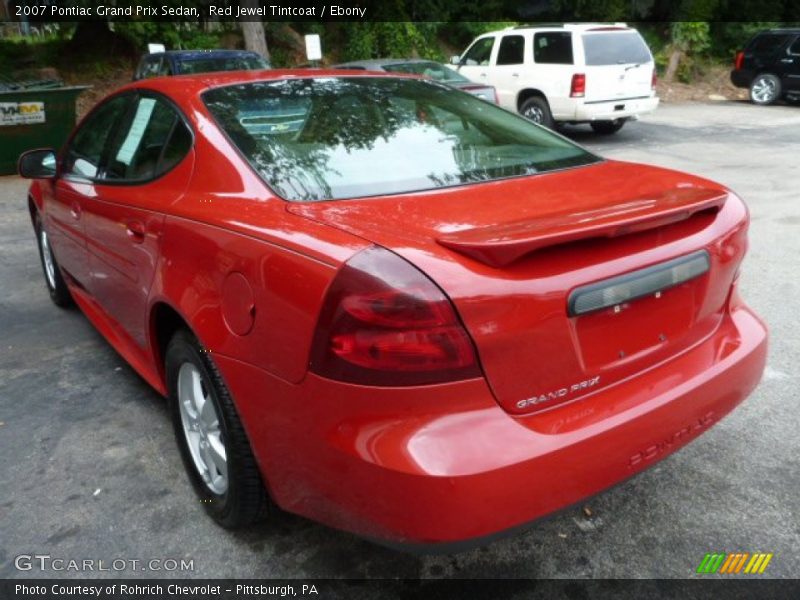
732 588
785 11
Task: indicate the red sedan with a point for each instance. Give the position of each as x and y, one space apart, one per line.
389 306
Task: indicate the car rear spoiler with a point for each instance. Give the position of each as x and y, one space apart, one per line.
501 245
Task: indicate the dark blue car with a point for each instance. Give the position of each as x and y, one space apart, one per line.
182 62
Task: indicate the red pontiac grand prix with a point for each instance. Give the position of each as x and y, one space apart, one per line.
392 307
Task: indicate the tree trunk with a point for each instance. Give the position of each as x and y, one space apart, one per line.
253 31
672 65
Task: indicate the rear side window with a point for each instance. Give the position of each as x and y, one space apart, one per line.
153 141
553 48
795 48
479 53
511 51
618 48
768 43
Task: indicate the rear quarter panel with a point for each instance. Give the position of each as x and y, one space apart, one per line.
229 222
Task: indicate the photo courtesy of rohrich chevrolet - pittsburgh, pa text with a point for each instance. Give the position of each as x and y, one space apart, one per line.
360 299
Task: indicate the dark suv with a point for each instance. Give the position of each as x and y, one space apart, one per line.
770 66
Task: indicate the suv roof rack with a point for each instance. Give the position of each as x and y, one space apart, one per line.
570 26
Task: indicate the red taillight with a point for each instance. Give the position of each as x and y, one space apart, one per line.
577 88
737 63
654 79
496 97
384 322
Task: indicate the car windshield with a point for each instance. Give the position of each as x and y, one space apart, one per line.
615 48
211 64
428 69
344 137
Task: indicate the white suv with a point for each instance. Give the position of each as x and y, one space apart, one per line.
599 74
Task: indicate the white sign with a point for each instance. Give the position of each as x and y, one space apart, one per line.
313 47
21 113
153 48
136 132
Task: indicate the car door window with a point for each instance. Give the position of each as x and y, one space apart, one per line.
479 53
511 51
153 141
553 48
85 151
795 48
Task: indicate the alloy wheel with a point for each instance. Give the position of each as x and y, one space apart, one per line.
201 426
49 263
764 90
535 114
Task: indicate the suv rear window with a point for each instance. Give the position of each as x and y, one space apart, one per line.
618 48
767 42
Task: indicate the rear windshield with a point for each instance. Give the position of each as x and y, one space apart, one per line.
345 137
617 48
768 42
433 70
209 65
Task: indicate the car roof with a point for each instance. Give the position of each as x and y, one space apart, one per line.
576 27
181 86
378 63
192 54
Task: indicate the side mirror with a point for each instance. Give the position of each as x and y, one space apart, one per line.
455 60
37 164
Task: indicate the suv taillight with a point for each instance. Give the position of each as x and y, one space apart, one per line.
737 62
383 322
577 88
654 79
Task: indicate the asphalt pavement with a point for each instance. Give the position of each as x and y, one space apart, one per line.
89 468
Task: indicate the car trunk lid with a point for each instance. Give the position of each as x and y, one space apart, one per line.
512 255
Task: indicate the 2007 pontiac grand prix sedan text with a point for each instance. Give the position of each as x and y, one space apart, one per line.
392 307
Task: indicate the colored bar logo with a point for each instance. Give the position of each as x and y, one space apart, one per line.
734 563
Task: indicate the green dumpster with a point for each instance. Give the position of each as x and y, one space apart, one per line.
34 115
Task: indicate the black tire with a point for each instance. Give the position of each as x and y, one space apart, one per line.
537 109
765 89
53 279
244 500
607 127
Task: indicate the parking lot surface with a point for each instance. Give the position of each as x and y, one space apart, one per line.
90 470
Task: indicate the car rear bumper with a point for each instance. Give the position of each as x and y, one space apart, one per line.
445 464
615 109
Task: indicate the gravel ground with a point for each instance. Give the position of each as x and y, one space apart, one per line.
90 468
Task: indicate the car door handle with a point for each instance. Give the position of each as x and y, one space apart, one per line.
787 60
135 231
515 74
75 210
483 74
